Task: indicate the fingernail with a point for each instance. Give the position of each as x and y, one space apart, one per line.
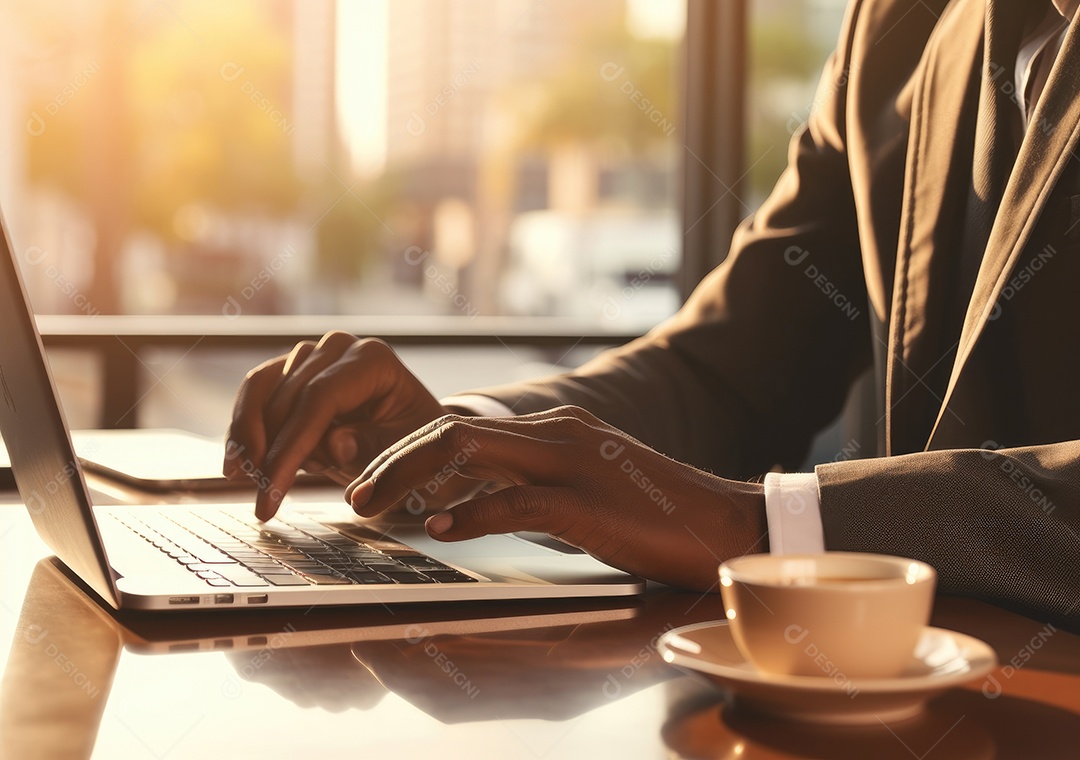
440 523
361 495
265 507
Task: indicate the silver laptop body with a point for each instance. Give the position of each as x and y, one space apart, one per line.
217 556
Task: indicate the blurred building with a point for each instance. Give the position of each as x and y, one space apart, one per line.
448 57
449 60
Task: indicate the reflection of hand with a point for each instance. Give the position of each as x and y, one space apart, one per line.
543 673
320 676
328 407
570 475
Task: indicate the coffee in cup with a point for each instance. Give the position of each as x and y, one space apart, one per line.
837 615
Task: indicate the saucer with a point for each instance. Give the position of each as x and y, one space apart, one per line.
942 659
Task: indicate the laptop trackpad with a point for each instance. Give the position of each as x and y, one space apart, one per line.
508 546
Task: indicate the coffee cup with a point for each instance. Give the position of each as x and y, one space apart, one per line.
837 615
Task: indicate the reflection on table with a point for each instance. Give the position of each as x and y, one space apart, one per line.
553 679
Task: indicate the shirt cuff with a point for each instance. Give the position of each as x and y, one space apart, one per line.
477 405
793 513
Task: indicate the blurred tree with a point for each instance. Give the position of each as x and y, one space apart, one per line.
618 93
352 230
598 97
784 64
210 101
184 109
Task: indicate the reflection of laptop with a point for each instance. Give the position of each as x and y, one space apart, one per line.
220 556
161 460
312 652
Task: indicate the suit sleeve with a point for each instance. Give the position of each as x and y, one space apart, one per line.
762 354
1001 525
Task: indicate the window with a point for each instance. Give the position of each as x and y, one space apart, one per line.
432 159
789 42
421 157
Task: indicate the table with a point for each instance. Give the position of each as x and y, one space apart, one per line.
521 680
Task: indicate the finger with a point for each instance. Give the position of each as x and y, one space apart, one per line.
526 423
301 351
505 451
408 440
246 440
287 454
519 424
438 494
306 361
545 510
325 397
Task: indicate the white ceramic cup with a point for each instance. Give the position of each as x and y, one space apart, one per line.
837 615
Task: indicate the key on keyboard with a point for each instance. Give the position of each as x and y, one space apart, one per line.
230 550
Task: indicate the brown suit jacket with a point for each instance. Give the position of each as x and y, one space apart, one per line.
853 262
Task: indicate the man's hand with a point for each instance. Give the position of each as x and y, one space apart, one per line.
566 473
328 407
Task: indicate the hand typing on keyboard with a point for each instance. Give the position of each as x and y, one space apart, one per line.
329 408
350 405
579 479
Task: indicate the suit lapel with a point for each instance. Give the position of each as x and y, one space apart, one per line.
942 125
1044 153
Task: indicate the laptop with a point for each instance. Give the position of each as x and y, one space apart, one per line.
244 631
219 556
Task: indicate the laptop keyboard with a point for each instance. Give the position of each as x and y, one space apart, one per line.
227 550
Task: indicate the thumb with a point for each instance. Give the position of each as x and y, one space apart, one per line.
541 509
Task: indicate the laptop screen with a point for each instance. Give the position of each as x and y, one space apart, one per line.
39 446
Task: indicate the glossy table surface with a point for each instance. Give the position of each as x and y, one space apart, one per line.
512 680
